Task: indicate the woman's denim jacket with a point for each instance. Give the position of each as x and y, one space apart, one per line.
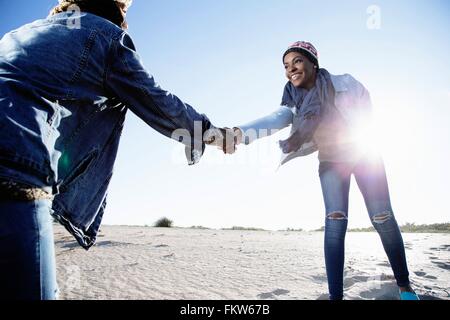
66 83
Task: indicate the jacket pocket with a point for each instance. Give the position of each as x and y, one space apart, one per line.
79 170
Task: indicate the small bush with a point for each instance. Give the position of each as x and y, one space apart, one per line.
164 223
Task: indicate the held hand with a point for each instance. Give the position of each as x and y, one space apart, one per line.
291 144
229 143
237 136
223 138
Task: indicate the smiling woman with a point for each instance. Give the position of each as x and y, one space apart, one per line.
332 114
301 65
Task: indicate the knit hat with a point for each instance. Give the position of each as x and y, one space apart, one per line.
305 48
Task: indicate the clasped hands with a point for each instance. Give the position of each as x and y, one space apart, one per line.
225 139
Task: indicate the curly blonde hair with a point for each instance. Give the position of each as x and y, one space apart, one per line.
112 10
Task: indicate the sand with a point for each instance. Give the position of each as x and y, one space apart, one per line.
203 264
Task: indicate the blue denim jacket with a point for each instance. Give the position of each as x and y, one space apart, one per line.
64 93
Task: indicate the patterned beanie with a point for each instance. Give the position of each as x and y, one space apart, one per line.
305 48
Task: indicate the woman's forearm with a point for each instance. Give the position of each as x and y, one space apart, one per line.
267 125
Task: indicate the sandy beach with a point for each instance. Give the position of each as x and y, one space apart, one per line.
204 264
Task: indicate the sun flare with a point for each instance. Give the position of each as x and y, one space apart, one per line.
390 130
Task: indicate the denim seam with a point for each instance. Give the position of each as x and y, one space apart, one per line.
83 60
37 266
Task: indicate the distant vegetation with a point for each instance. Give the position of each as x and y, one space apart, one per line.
407 228
164 223
243 229
199 227
425 228
410 228
369 229
292 230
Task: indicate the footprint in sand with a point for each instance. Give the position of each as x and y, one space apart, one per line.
384 291
112 244
350 281
424 275
319 278
428 297
384 264
271 295
70 245
408 246
442 265
161 246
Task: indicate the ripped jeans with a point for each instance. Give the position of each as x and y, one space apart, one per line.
371 178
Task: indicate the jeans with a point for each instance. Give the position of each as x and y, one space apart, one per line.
27 255
371 178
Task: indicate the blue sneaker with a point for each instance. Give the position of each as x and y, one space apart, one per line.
409 296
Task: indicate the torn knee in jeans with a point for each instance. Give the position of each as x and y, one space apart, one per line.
337 215
383 217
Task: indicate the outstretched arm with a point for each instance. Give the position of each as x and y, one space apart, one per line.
264 126
127 78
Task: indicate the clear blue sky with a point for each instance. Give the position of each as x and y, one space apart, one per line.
224 58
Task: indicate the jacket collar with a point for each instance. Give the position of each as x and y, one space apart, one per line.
339 83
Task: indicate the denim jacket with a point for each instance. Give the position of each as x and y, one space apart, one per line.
351 99
66 83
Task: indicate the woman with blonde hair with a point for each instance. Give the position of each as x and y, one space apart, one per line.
66 83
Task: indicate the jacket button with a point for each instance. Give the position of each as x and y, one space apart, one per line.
48 179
